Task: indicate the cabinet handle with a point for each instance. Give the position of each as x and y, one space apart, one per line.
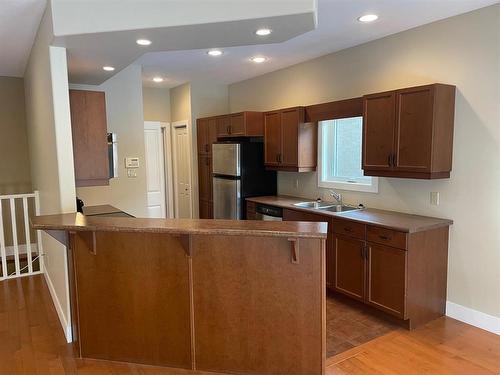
229 129
347 229
279 158
384 237
393 160
389 160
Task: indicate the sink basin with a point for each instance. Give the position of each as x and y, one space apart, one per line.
338 208
316 205
326 206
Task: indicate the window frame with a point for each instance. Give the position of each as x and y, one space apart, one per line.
341 183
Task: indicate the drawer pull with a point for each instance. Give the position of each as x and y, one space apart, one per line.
347 229
384 238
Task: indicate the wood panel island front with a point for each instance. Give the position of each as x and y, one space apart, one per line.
242 297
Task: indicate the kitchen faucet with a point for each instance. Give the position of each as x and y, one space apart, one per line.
336 196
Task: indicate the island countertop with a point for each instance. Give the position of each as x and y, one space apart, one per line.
79 222
388 219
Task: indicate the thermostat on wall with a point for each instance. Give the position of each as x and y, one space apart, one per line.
131 162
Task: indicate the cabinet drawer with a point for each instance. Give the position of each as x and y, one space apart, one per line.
349 228
386 237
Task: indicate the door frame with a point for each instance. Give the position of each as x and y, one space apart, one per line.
167 164
175 125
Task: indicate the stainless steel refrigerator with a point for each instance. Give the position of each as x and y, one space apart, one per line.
239 173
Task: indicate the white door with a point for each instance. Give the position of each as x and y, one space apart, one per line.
155 170
182 170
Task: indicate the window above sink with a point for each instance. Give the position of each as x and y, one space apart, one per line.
339 156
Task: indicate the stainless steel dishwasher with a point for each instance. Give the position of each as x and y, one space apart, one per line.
268 213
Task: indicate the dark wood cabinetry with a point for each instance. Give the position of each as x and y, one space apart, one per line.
206 136
243 124
290 142
400 273
409 132
386 278
89 130
349 266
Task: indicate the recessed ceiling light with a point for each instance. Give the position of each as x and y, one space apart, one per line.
263 32
215 52
108 68
143 42
258 59
158 79
368 18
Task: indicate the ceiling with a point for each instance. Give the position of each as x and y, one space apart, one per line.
337 29
19 20
103 33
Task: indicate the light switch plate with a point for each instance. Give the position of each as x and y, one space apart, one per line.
435 198
132 162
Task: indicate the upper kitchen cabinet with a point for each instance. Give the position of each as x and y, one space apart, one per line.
289 141
243 124
206 134
408 133
90 144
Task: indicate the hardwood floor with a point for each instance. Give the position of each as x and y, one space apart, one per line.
32 343
350 323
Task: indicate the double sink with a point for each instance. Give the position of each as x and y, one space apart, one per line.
326 206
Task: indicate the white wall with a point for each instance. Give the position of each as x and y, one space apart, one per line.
51 151
125 117
464 51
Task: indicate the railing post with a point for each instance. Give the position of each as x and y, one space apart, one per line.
39 233
14 235
27 234
2 245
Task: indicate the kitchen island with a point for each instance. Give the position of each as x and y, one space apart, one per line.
210 295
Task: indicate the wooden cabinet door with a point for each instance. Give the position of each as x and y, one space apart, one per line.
205 209
90 144
237 125
272 138
223 124
205 177
202 136
414 117
211 133
378 130
290 120
349 266
386 279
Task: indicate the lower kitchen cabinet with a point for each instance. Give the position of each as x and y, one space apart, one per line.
386 278
400 273
349 273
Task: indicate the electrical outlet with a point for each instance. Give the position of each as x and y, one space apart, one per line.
435 198
131 172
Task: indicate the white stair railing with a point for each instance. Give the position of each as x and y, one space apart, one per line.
19 259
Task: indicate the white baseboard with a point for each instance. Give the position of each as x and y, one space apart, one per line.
473 317
64 323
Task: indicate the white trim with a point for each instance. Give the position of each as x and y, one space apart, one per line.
473 317
181 124
64 323
169 176
341 184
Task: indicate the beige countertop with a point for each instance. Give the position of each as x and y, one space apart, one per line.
79 222
388 219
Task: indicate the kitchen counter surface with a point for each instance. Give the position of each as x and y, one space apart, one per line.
100 210
388 219
79 222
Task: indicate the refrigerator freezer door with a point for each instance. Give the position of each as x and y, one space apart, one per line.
226 159
227 202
